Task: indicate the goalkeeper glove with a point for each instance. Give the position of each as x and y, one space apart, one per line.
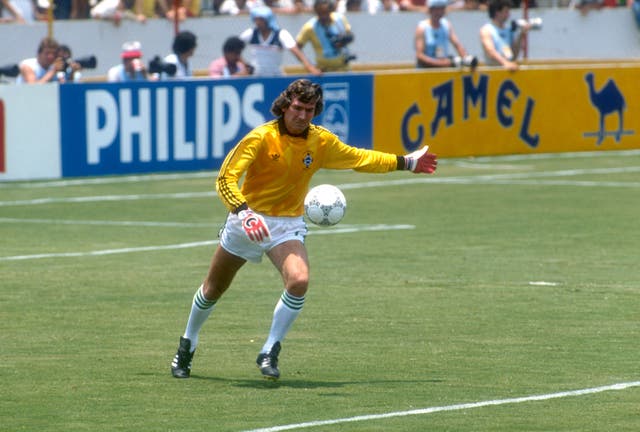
254 226
420 161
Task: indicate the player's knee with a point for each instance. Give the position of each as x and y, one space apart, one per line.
297 285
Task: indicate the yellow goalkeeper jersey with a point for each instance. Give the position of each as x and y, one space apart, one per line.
278 167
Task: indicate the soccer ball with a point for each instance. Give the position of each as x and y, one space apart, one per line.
325 205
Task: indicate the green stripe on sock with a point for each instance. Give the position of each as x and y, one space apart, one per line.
202 302
291 301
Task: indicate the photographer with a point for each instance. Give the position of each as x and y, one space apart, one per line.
132 68
432 38
501 42
71 71
231 63
329 34
184 46
44 67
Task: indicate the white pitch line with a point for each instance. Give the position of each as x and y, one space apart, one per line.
110 180
348 229
457 407
101 198
503 178
108 223
108 251
212 174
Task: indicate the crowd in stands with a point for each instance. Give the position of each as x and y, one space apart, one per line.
327 31
25 11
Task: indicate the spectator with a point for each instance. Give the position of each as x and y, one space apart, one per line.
267 42
287 7
584 6
186 9
330 34
231 63
501 44
132 68
61 8
44 67
432 38
65 9
233 7
413 5
11 12
379 6
635 6
117 10
184 46
155 8
80 9
467 5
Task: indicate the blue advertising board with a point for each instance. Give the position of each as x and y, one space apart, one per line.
143 127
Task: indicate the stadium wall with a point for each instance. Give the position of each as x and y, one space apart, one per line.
384 38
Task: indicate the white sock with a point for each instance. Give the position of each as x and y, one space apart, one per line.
201 308
285 313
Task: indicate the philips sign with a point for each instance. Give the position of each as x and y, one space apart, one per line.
110 120
174 126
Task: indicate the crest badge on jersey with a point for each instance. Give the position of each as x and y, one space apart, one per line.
307 160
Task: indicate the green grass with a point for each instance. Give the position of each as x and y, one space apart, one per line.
395 320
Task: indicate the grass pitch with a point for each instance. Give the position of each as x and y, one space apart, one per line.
496 278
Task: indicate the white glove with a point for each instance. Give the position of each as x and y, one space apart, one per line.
420 161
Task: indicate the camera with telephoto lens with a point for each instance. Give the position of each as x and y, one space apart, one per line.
533 23
10 70
341 40
89 62
157 65
466 61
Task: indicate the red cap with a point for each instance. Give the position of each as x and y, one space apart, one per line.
131 50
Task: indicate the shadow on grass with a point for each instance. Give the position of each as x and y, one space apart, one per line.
303 384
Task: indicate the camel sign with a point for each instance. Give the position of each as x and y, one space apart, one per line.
538 109
608 100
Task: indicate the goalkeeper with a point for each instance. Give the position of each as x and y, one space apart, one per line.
277 160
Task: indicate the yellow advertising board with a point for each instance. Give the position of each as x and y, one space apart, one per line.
538 109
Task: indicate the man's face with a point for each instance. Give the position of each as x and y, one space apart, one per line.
261 23
323 11
436 13
130 64
47 56
503 15
232 57
298 116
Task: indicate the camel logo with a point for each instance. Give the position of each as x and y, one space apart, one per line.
2 144
608 100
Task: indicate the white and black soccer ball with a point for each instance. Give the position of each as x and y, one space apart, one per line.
325 205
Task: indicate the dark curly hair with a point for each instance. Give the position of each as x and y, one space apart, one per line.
183 42
303 89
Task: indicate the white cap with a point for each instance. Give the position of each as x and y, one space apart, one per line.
437 3
131 50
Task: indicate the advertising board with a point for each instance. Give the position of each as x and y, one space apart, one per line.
538 110
29 132
120 128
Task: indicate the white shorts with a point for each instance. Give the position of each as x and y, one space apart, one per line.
234 240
